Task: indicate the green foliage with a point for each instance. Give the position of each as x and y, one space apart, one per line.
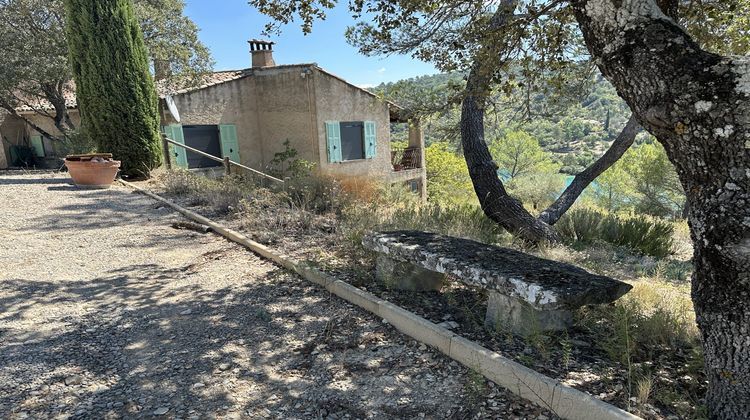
538 189
171 38
518 154
653 319
642 234
447 176
287 164
116 94
644 181
394 207
35 61
658 189
77 142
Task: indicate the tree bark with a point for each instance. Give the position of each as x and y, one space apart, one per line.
621 144
505 210
55 94
697 105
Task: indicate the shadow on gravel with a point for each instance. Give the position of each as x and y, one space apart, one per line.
146 346
97 209
35 181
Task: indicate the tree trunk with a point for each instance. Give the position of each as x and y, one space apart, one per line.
496 203
621 144
494 199
55 94
697 105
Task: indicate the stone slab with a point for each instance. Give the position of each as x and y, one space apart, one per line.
544 284
507 313
406 276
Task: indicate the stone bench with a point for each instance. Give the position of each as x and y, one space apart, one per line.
526 293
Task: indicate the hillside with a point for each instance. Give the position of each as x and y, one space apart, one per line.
575 128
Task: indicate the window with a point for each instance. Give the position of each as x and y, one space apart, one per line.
351 140
216 140
414 185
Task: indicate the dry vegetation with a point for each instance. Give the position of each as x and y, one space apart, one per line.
642 353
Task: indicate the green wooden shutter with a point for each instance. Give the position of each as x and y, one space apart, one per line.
371 140
229 143
38 145
333 140
178 154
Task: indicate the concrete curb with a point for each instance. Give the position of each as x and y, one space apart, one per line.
561 399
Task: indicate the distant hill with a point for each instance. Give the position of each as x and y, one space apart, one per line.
576 130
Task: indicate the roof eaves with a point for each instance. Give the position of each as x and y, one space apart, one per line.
328 73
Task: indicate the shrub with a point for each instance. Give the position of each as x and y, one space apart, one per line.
287 164
394 207
222 195
76 142
645 235
314 193
116 92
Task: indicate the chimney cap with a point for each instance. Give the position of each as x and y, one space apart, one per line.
260 45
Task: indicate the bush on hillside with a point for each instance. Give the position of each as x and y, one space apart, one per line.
645 235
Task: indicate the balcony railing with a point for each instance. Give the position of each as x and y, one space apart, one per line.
409 158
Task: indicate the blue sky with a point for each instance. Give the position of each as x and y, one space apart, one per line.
226 25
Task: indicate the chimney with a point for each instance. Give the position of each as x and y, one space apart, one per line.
262 53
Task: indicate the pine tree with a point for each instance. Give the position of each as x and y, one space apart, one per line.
116 94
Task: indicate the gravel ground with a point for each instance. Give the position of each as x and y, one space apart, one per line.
106 311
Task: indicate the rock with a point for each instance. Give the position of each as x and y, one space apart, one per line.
448 325
73 380
199 385
224 366
161 411
186 312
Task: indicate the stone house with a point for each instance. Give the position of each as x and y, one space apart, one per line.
250 114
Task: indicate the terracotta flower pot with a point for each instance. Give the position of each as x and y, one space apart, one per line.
96 172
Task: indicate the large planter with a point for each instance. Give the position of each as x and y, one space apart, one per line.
92 171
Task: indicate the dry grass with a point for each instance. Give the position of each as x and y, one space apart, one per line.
653 321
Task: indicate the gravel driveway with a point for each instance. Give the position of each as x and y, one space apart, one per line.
107 311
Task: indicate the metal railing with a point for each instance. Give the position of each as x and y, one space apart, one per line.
409 158
226 161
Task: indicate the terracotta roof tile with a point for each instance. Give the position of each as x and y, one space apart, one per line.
163 89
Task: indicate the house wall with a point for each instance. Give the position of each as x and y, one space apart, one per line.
227 103
15 131
292 103
286 110
268 108
337 100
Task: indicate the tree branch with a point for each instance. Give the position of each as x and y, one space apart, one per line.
621 144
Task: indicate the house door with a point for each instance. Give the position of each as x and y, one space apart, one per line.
206 139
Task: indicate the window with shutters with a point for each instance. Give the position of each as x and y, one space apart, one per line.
351 140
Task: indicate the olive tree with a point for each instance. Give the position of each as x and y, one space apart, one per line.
34 51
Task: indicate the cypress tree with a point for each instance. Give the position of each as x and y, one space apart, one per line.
116 93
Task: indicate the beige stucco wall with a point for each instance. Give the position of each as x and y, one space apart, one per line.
268 108
286 111
339 101
226 103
